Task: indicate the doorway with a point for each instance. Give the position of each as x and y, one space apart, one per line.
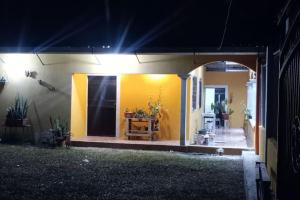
101 112
214 94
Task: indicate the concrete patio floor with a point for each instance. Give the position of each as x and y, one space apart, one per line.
233 137
232 140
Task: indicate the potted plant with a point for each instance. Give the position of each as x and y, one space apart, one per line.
226 111
247 112
222 110
17 114
59 130
199 136
140 113
129 114
154 112
154 108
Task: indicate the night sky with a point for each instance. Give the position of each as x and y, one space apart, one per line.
137 24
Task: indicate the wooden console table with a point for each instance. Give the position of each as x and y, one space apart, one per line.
148 130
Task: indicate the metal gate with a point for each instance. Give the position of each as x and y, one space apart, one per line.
289 105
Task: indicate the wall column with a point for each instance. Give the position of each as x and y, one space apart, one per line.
183 78
258 68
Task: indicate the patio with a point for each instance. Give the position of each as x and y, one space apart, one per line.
233 137
232 140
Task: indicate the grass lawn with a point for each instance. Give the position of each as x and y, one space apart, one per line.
35 173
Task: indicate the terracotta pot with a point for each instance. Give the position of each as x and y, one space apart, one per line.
129 114
225 116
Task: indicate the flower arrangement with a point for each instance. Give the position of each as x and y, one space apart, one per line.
154 108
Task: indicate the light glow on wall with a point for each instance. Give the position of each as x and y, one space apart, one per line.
117 63
113 60
156 77
14 65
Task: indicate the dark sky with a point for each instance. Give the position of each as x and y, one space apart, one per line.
136 24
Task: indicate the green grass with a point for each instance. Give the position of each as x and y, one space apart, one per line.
36 173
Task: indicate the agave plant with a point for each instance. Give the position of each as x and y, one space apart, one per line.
59 126
19 110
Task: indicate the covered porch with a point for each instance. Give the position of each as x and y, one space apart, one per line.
179 119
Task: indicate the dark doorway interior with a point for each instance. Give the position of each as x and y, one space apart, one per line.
101 106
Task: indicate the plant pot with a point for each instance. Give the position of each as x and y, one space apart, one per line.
16 122
225 116
200 139
129 114
202 132
153 117
195 137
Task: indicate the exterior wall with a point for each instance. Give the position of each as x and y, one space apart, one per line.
237 92
194 116
262 143
57 70
249 128
79 105
43 103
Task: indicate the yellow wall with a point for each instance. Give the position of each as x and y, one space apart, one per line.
135 92
79 105
194 116
236 82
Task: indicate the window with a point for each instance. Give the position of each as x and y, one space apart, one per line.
200 93
194 93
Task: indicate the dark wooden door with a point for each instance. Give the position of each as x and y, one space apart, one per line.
289 108
101 106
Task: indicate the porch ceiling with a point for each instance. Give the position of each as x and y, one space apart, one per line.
148 63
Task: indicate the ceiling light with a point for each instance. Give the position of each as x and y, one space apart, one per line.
231 63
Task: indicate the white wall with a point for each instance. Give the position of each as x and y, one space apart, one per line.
251 97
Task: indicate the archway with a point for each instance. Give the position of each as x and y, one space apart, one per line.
242 85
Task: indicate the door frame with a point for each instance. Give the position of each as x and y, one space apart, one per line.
215 86
117 128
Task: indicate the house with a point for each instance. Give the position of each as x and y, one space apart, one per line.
63 77
94 89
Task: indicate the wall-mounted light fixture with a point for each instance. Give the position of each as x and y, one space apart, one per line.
30 74
46 85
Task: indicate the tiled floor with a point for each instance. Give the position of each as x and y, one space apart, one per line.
125 141
233 137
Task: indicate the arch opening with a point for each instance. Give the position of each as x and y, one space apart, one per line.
227 109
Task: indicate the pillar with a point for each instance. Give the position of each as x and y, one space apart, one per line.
258 68
183 78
